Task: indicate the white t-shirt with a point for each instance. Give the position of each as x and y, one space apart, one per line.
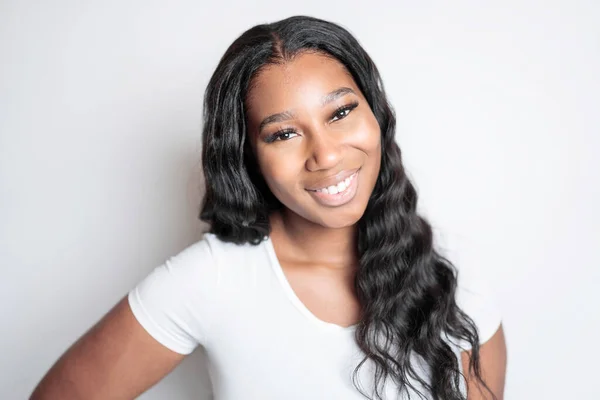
260 339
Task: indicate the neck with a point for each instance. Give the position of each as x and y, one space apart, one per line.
313 243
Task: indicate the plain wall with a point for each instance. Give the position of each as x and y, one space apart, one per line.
100 120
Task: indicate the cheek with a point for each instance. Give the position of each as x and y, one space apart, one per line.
278 171
367 135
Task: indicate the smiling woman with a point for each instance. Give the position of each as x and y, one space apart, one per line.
318 279
326 134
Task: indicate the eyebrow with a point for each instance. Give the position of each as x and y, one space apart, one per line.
287 115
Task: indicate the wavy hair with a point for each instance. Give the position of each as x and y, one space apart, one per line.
405 288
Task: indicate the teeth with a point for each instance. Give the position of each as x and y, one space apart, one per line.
340 187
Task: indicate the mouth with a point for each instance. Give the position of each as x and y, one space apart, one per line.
338 194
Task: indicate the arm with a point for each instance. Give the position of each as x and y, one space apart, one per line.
115 359
493 368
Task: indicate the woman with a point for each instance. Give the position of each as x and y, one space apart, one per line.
317 280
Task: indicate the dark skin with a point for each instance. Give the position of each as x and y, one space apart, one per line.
315 244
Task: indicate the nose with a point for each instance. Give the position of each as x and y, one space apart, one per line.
324 152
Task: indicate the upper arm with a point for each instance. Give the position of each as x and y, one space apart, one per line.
115 359
476 298
493 358
163 318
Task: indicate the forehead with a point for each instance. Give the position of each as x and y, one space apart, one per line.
303 81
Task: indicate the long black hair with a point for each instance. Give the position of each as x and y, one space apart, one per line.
406 289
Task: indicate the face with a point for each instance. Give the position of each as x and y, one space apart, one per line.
315 138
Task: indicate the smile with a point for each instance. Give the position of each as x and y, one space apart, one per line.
338 194
339 187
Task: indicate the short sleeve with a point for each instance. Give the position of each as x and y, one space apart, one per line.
476 298
173 303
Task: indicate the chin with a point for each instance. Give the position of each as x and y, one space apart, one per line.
332 224
333 219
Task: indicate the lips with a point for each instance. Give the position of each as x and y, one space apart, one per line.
337 199
332 180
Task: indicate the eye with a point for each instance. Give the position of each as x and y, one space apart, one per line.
343 111
282 135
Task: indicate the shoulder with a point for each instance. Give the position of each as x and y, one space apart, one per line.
179 300
212 265
210 254
476 297
187 278
237 265
224 252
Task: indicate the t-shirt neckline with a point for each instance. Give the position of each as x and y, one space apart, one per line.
295 300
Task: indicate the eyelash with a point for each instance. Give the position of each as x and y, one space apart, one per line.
277 135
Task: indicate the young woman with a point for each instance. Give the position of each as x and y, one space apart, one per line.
318 279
